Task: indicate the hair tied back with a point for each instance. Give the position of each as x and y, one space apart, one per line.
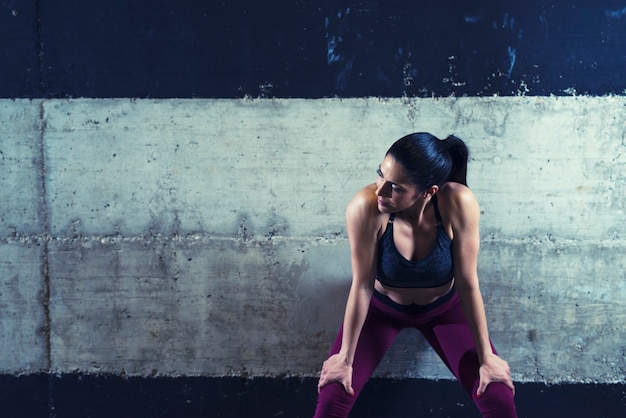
459 154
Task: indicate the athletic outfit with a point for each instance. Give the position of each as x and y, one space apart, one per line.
442 323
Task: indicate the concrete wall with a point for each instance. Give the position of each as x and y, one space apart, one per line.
206 237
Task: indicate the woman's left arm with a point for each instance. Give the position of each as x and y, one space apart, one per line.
464 215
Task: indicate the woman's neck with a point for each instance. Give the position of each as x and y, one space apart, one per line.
417 214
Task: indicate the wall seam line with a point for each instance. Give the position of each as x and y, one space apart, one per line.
45 239
44 207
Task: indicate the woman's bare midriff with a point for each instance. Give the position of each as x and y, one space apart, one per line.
418 296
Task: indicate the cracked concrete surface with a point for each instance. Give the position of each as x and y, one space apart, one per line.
205 237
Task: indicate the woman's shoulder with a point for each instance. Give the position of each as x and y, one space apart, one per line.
364 201
363 208
458 205
456 194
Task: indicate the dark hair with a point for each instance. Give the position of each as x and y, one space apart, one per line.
429 160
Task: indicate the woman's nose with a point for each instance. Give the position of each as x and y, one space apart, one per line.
384 189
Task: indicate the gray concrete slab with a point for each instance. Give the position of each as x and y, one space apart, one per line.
21 168
222 166
206 237
23 323
192 306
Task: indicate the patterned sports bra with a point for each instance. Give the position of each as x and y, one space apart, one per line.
396 271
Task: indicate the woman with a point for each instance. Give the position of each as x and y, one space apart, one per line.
414 245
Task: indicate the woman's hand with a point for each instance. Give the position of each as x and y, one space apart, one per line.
494 369
336 369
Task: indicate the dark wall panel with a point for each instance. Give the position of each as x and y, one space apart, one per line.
80 396
19 49
311 48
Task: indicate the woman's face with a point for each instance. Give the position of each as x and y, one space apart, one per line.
393 189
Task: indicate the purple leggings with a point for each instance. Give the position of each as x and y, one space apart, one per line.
444 326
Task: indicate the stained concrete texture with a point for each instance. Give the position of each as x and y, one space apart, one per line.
206 237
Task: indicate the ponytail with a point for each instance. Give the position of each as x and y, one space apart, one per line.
458 157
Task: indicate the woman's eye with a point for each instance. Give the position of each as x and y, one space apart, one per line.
380 173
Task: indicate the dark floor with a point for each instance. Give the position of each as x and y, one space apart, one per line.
84 396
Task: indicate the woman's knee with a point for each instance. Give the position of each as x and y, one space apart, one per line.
498 401
333 402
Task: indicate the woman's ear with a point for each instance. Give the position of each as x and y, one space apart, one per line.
430 192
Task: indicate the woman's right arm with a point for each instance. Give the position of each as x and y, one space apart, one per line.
362 221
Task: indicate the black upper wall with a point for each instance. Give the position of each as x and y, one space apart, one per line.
311 48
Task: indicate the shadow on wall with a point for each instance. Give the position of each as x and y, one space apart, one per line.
319 314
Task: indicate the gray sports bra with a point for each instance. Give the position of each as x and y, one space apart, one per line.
396 271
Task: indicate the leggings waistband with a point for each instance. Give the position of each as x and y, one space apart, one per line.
414 308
